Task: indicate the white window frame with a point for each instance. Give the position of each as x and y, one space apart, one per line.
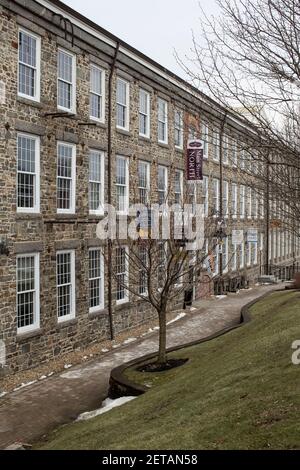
72 208
234 200
100 210
166 179
225 150
100 279
71 315
206 195
180 173
234 153
249 202
216 145
124 105
178 112
37 94
248 254
242 201
36 208
72 109
126 292
126 186
242 255
160 121
234 257
101 95
145 292
36 324
204 137
147 115
226 198
216 196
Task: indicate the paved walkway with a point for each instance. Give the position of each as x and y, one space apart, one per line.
29 413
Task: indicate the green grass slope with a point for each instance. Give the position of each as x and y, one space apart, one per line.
239 391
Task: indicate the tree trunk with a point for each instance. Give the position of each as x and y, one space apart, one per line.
162 356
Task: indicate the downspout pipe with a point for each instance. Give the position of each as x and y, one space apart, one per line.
109 188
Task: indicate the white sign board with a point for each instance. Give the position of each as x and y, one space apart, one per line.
252 235
237 237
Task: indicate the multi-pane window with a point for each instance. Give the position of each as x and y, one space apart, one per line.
234 257
28 310
97 93
122 184
143 261
254 254
216 260
248 253
242 255
216 145
96 278
178 126
162 121
144 113
225 198
65 274
204 137
96 182
29 65
234 153
66 176
205 195
254 206
225 149
249 202
122 104
66 81
28 173
144 182
242 201
234 200
216 195
225 255
121 274
178 187
162 184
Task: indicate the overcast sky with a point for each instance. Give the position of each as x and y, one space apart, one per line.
155 27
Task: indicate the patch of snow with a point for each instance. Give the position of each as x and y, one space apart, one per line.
115 346
150 330
156 328
43 377
104 350
50 374
129 340
107 405
67 366
91 355
192 309
23 385
220 297
179 316
2 394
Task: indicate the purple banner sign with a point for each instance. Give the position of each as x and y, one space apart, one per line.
194 163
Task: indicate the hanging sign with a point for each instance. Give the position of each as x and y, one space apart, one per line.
195 150
237 237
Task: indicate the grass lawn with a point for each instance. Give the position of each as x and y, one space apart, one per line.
239 391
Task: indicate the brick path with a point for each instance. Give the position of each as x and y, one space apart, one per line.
29 413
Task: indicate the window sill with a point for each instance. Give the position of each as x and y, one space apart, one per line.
123 131
98 313
29 102
66 323
97 123
29 335
122 304
28 215
144 138
179 149
164 145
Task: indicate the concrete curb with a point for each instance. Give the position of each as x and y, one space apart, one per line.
120 386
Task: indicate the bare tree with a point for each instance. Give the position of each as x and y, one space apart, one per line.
248 60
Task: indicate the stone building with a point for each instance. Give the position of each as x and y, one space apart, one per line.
72 94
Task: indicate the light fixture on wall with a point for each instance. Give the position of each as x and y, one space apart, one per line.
4 250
